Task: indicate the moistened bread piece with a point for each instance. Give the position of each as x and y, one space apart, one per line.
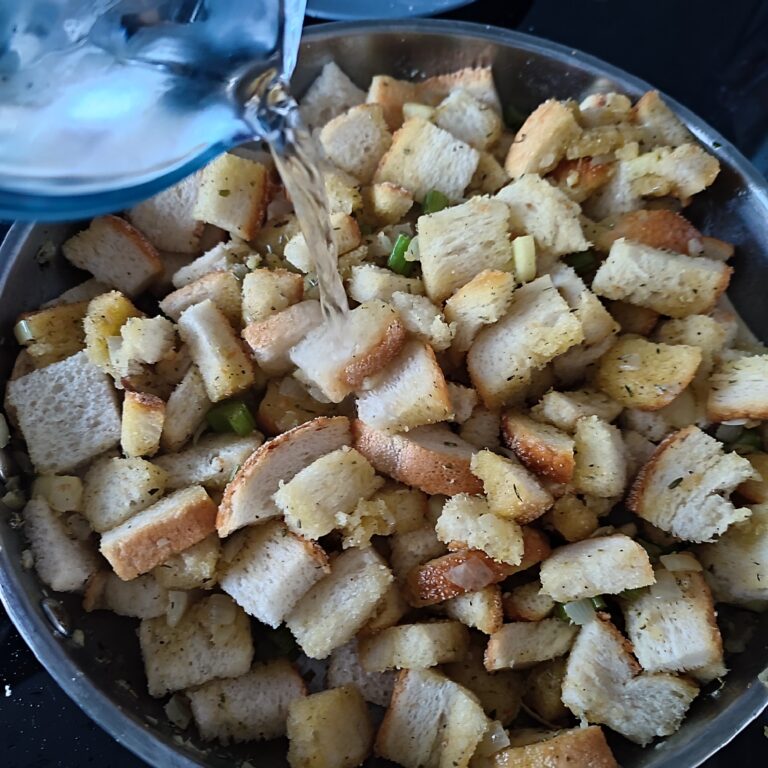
669 283
271 571
252 707
67 413
62 562
330 729
234 194
248 497
212 639
338 606
185 410
116 254
458 243
344 668
53 334
538 326
468 119
329 95
142 424
528 603
603 684
606 565
683 488
576 748
368 282
267 291
564 409
738 389
431 722
194 568
523 644
601 464
478 610
166 528
222 288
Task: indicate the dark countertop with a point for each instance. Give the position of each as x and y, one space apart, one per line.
712 57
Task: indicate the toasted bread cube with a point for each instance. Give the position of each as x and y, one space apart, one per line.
414 646
169 526
346 235
683 488
391 608
564 409
213 639
116 254
330 729
478 610
216 350
528 603
463 402
193 568
573 519
286 404
638 706
412 393
185 410
601 465
605 565
423 320
62 493
424 157
407 506
483 301
539 209
669 283
458 243
661 123
104 318
577 748
538 327
542 140
369 518
478 82
63 563
756 490
330 94
579 178
142 598
338 606
431 721
142 424
490 175
345 669
368 282
512 491
707 333
523 644
271 571
331 485
222 288
147 339
234 193
386 203
468 119
685 636
413 548
544 449
604 109
634 319
85 291
53 334
467 522
252 707
543 691
737 389
391 94
267 291
356 140
657 228
343 192
482 428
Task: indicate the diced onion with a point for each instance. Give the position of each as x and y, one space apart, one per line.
524 255
177 710
178 602
63 493
727 433
14 500
412 252
494 740
412 109
5 433
580 612
23 332
666 586
471 575
680 561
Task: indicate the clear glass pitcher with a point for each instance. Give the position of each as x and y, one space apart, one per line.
104 102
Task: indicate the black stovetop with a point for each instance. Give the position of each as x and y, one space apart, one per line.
712 57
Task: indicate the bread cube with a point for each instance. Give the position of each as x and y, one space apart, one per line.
192 568
577 747
528 603
660 228
386 203
368 282
478 610
573 518
222 288
468 119
142 598
267 291
564 409
523 644
423 320
53 334
103 320
413 548
142 424
346 235
660 122
331 93
737 389
601 465
345 669
482 428
185 410
62 493
287 404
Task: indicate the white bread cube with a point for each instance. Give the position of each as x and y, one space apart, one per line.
661 124
142 424
252 707
211 462
523 644
542 140
413 548
431 458
222 288
538 327
468 119
392 94
344 231
185 410
684 487
192 568
142 598
463 402
478 610
331 93
606 565
234 193
424 157
669 283
490 175
339 363
85 291
55 333
331 485
344 668
539 209
544 684
528 603
330 729
603 684
736 566
67 413
431 722
458 243
391 608
564 409
407 506
423 320
386 203
512 491
248 496
62 493
220 258
216 350
576 748
368 282
272 338
168 220
212 639
414 646
683 635
106 315
573 518
62 562
467 522
267 291
166 528
737 389
482 428
343 191
601 464
115 489
356 140
369 518
478 82
413 392
147 339
116 254
286 404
